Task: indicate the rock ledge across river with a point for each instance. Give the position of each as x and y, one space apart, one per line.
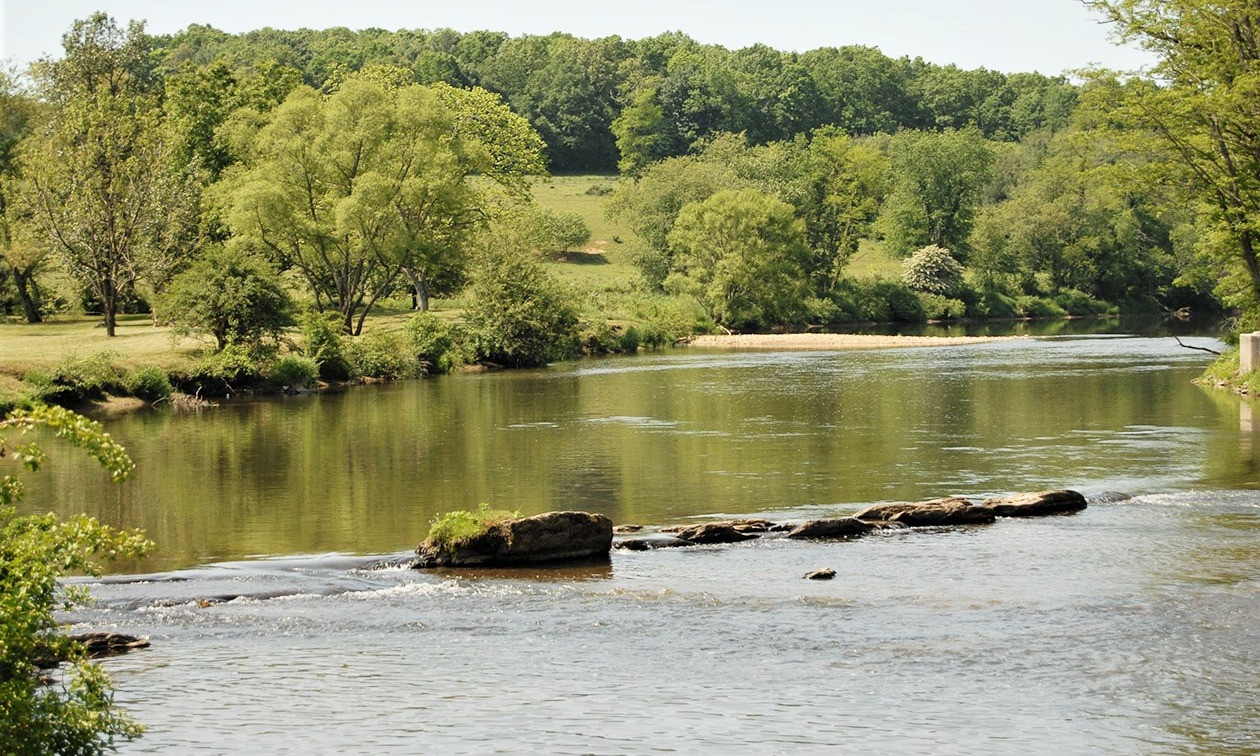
566 536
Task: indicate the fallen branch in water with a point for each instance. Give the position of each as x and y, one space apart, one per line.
1199 348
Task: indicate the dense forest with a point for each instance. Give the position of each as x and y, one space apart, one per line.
339 169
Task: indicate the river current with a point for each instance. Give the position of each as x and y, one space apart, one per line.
1131 627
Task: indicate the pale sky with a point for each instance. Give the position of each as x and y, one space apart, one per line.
1050 36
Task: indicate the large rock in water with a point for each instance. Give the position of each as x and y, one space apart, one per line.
1037 504
952 511
548 537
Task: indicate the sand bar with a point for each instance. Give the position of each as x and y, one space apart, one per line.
797 341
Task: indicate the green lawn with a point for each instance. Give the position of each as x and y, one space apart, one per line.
603 265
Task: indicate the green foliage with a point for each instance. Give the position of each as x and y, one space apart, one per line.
938 182
149 383
232 369
449 529
1036 308
938 307
75 713
932 270
1224 369
324 342
518 316
563 231
96 175
294 371
881 301
1194 117
352 189
1075 302
230 295
432 342
381 355
74 381
740 255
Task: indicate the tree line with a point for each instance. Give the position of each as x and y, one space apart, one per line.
359 164
600 102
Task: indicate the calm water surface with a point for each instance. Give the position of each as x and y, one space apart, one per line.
1133 627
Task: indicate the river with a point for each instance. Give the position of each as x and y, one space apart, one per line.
1132 627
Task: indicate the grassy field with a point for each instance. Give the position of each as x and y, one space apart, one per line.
604 264
34 347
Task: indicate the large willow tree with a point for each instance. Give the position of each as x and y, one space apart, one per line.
1202 114
356 188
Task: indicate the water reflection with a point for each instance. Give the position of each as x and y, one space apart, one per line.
658 438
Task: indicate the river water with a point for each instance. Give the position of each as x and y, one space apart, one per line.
1131 627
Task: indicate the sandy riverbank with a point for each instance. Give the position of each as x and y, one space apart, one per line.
827 341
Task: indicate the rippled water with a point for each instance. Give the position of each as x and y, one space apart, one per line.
1131 627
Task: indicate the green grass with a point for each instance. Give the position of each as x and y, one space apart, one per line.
36 347
603 265
452 528
871 261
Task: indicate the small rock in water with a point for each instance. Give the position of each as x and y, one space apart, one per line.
713 532
840 527
826 573
623 529
1037 504
951 511
650 542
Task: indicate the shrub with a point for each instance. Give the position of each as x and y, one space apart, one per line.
518 315
1076 302
230 295
294 372
74 714
937 307
76 381
432 342
381 355
1029 306
451 528
323 342
234 369
149 383
994 304
562 231
932 270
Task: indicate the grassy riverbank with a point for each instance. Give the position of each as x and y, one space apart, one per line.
38 362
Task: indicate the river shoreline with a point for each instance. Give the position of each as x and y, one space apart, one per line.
835 341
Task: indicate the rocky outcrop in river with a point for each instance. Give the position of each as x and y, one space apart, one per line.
541 539
564 536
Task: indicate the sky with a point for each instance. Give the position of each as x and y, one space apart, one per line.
1049 36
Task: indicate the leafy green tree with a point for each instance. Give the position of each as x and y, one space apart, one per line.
75 712
844 184
22 256
354 188
1081 219
938 180
638 130
231 295
95 174
741 255
1198 118
518 316
650 204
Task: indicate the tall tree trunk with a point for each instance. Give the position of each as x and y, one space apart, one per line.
1247 241
109 305
30 302
419 289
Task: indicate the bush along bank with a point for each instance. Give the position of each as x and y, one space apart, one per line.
322 356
